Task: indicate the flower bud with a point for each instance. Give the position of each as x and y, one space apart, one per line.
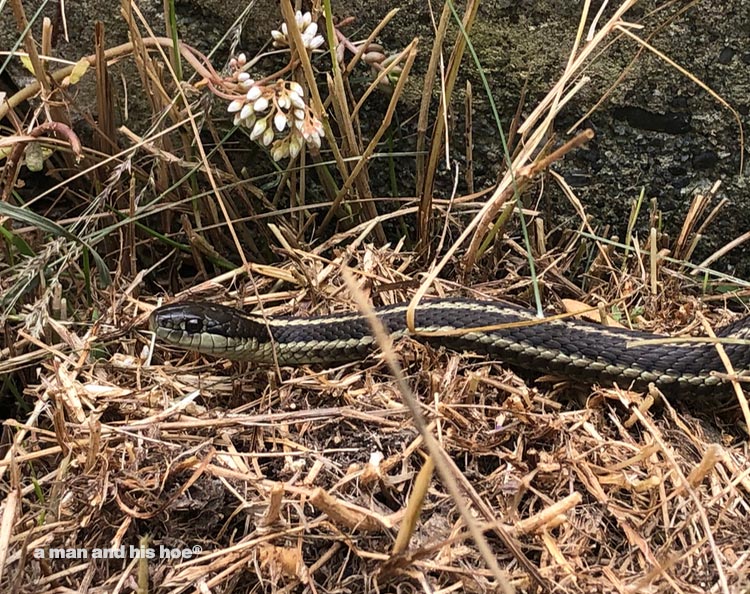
235 105
246 112
295 145
258 129
279 120
261 104
268 136
296 100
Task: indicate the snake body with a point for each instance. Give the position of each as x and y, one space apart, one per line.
577 349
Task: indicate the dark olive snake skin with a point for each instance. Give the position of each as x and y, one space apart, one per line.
576 349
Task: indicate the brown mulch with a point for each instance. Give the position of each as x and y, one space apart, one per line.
238 478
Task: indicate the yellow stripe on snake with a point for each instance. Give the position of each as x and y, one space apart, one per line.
576 349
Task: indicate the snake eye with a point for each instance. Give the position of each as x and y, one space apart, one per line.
194 325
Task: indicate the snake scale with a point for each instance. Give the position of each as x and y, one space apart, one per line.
576 349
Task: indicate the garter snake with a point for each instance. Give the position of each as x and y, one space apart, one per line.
577 349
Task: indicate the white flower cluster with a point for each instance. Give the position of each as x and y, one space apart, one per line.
276 108
307 29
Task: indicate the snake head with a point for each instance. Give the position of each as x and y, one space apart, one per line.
203 327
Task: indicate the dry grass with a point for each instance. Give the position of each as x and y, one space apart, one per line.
415 469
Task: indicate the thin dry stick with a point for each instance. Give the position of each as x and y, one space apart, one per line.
380 78
20 436
364 46
653 261
523 177
585 223
697 207
716 209
573 66
196 134
118 51
698 82
525 155
429 82
436 452
416 500
719 567
737 241
36 62
741 399
347 121
9 513
469 138
425 207
411 53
